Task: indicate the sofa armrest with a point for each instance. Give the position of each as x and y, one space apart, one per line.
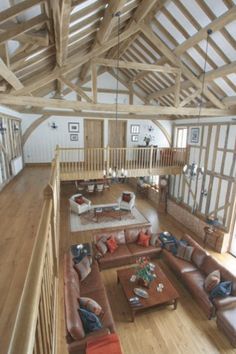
79 346
224 302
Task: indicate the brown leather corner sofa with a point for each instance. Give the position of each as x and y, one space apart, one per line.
193 275
128 252
91 287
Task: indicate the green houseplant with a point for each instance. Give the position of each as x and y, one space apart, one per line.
144 271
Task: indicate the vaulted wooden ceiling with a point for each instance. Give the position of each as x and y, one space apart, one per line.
47 47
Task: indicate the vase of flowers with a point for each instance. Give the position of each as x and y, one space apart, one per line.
144 271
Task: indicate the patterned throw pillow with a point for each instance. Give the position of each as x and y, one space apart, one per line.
79 200
90 305
184 252
120 237
212 280
126 197
143 239
101 245
111 244
90 321
83 268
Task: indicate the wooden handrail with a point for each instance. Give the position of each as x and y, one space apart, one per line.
23 336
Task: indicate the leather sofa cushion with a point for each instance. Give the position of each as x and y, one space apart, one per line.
121 252
224 302
198 257
100 297
195 281
179 265
92 281
137 250
209 265
73 322
227 319
131 235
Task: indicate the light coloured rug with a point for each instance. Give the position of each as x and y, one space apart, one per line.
88 221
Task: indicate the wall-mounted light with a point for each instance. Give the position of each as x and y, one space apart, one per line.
2 128
53 125
150 128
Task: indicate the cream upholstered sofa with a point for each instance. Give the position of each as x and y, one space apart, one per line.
79 208
125 204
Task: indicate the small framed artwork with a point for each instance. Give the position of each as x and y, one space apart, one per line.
74 137
134 138
135 129
73 127
194 135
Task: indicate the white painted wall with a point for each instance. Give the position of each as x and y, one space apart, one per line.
40 146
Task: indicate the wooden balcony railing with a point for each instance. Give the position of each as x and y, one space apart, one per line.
94 162
35 329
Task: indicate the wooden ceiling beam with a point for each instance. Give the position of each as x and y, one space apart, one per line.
103 107
73 63
75 88
9 76
209 76
230 101
176 61
64 32
22 27
17 9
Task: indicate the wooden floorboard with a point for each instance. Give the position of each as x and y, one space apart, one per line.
185 330
159 331
20 208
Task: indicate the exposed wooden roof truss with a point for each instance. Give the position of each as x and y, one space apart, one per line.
51 46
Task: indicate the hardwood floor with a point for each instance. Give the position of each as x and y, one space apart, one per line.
185 330
156 331
20 208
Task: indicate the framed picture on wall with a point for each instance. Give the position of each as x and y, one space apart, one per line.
134 138
194 135
73 127
74 137
135 129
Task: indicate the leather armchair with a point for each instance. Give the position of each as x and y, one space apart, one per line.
126 205
79 208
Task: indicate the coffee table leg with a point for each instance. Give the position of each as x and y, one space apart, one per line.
175 304
132 315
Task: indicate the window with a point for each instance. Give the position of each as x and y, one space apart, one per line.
181 137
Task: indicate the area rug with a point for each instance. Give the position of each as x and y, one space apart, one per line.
87 221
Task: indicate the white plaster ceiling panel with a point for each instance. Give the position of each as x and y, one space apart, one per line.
212 54
162 36
175 33
198 13
232 77
224 86
231 28
217 7
224 45
199 59
178 15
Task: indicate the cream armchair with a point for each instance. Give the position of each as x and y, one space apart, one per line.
125 204
79 208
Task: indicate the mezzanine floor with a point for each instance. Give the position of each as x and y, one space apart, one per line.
158 331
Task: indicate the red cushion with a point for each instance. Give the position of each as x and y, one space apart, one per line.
104 345
143 239
111 244
126 197
79 200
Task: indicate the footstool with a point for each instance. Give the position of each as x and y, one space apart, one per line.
226 321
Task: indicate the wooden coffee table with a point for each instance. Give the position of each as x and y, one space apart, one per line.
111 210
168 296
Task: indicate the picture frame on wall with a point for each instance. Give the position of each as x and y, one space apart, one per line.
135 128
74 137
73 127
194 135
134 138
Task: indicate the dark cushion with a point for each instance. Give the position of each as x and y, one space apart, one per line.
222 289
90 321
